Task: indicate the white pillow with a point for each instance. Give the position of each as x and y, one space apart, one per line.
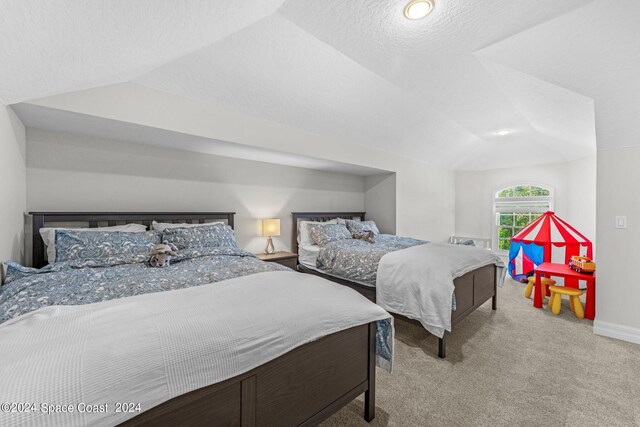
161 226
304 238
49 235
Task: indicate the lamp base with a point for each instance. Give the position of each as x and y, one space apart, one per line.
269 249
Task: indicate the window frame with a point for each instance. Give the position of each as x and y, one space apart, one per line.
515 205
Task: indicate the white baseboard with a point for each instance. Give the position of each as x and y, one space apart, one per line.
613 330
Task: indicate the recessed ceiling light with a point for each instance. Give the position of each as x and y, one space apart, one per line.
504 132
417 9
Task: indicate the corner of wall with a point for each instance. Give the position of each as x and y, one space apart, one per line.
613 330
13 177
380 201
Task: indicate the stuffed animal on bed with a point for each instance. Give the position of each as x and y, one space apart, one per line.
162 254
367 236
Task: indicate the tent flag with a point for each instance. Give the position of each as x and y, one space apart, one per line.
547 239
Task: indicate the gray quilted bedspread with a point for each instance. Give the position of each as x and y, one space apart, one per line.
357 260
28 289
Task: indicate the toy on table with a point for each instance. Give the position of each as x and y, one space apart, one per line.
582 264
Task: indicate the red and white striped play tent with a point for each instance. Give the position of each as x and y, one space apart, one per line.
547 239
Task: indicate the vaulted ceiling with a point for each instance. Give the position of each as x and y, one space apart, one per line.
436 90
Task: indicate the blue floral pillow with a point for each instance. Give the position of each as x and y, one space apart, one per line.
210 236
104 248
362 226
327 233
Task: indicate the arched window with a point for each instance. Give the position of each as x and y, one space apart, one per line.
515 207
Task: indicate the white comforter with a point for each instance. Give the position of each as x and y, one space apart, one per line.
150 348
417 282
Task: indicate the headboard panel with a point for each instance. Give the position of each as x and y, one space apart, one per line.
99 219
319 217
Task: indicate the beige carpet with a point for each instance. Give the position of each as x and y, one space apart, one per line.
515 366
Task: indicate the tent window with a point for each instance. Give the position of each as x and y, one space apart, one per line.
515 207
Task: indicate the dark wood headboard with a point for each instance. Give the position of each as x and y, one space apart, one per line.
319 217
100 219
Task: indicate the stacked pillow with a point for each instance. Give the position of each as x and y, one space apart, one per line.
327 233
216 235
320 233
87 248
304 238
362 226
49 235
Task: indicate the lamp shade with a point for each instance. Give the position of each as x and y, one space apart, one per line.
270 227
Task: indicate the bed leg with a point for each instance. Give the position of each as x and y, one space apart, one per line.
370 394
442 346
494 300
370 403
249 395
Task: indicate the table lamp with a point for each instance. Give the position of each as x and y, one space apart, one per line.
270 228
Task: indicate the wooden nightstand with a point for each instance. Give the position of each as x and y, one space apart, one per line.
287 259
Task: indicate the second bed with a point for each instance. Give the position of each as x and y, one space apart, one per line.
435 285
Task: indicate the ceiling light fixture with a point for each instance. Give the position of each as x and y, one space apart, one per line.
418 9
504 132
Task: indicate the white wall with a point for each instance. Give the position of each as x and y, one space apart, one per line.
380 201
574 185
12 176
618 294
425 195
78 173
425 202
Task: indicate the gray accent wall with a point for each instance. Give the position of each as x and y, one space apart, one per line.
72 172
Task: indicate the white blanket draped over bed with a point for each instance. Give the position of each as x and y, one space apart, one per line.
150 348
417 282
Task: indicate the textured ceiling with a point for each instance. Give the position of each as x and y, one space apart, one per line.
594 51
435 89
49 47
276 70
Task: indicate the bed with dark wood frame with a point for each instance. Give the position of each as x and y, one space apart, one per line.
471 290
301 387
